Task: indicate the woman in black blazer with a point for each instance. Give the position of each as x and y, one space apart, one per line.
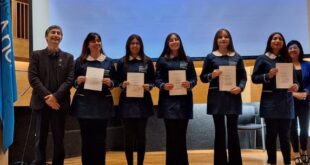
223 104
276 105
301 103
93 108
134 110
175 110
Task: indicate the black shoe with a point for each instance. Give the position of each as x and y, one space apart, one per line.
305 158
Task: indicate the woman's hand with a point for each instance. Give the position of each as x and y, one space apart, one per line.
80 80
107 82
216 73
168 86
235 90
146 87
293 88
272 72
125 83
186 84
300 95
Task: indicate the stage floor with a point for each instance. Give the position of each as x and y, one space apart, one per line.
196 157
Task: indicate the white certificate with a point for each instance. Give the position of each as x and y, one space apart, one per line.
227 79
135 86
176 77
94 78
284 77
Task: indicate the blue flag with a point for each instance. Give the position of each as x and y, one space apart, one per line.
7 76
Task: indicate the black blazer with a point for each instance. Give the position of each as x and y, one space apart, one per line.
223 102
174 107
50 74
89 104
136 107
274 103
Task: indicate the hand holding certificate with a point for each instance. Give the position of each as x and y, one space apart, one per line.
176 77
94 78
227 80
135 87
284 77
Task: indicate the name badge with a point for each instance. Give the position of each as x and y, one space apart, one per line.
183 65
143 69
106 73
232 62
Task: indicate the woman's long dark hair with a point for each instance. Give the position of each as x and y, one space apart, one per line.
284 57
301 51
85 50
167 51
217 34
128 52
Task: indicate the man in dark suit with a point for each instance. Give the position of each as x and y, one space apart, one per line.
51 75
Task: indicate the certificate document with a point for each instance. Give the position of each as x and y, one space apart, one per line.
176 77
284 77
135 86
94 78
227 80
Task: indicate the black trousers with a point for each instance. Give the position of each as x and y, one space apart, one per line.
234 153
275 127
45 118
134 137
93 133
302 113
176 150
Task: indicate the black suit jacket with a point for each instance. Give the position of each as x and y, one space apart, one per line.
50 74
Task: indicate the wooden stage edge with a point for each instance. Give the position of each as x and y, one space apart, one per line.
196 157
